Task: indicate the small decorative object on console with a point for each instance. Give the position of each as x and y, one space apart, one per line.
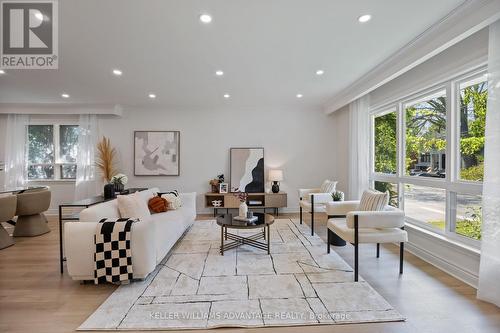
276 176
223 188
216 182
216 203
109 191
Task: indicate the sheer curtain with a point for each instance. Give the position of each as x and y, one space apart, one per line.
86 184
359 145
489 271
16 150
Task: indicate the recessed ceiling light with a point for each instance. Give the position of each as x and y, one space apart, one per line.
320 72
39 16
205 18
364 18
299 95
117 72
152 96
2 71
226 96
219 73
64 95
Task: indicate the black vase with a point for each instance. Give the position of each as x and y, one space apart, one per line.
119 187
109 191
275 188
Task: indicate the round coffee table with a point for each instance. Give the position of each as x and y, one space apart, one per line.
263 222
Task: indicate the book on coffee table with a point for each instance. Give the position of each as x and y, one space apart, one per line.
246 219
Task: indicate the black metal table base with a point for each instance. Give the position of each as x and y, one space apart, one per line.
252 240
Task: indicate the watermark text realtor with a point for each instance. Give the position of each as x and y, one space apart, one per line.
29 34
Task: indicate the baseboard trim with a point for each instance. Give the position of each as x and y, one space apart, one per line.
455 271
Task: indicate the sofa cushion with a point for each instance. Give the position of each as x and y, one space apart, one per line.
158 205
174 200
169 226
133 206
373 200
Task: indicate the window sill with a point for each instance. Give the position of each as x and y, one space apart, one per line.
452 243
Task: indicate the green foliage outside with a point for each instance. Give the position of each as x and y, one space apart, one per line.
470 226
426 132
393 191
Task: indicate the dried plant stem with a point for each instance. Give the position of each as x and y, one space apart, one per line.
106 159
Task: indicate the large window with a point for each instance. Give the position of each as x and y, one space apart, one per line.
385 143
52 151
473 97
428 152
426 137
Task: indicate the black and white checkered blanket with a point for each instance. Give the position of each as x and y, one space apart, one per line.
113 256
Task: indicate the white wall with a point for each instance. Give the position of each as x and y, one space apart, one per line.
296 140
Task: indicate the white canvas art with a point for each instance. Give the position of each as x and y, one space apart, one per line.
156 153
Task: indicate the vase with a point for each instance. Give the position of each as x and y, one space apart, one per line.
119 187
243 209
215 189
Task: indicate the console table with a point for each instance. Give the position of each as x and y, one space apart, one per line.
273 201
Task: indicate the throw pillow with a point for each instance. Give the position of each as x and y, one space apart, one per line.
133 206
373 200
158 205
328 186
174 200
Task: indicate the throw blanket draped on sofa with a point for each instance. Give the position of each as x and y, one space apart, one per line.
113 257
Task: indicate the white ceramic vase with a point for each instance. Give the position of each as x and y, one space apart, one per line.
243 209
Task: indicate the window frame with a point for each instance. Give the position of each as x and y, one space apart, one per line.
57 163
452 184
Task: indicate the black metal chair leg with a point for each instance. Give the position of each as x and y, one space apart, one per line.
328 240
356 252
312 215
378 250
300 210
401 256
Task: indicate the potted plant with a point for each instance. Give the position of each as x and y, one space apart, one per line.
215 183
119 180
338 196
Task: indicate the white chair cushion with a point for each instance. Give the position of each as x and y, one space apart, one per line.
367 235
133 206
318 208
373 200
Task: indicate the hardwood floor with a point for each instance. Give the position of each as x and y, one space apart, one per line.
34 297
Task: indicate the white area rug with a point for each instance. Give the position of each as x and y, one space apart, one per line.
197 288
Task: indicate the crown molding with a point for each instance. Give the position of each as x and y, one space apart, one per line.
465 20
60 109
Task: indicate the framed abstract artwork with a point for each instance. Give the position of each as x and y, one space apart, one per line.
156 153
247 170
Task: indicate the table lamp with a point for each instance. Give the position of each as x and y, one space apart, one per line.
275 176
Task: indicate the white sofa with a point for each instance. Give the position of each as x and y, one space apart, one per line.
150 240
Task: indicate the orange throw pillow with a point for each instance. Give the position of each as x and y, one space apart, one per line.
158 205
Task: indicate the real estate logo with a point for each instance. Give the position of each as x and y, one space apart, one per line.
29 36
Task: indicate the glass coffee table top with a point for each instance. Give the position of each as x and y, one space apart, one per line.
263 222
228 221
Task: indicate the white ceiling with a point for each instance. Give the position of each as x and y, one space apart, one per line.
269 50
